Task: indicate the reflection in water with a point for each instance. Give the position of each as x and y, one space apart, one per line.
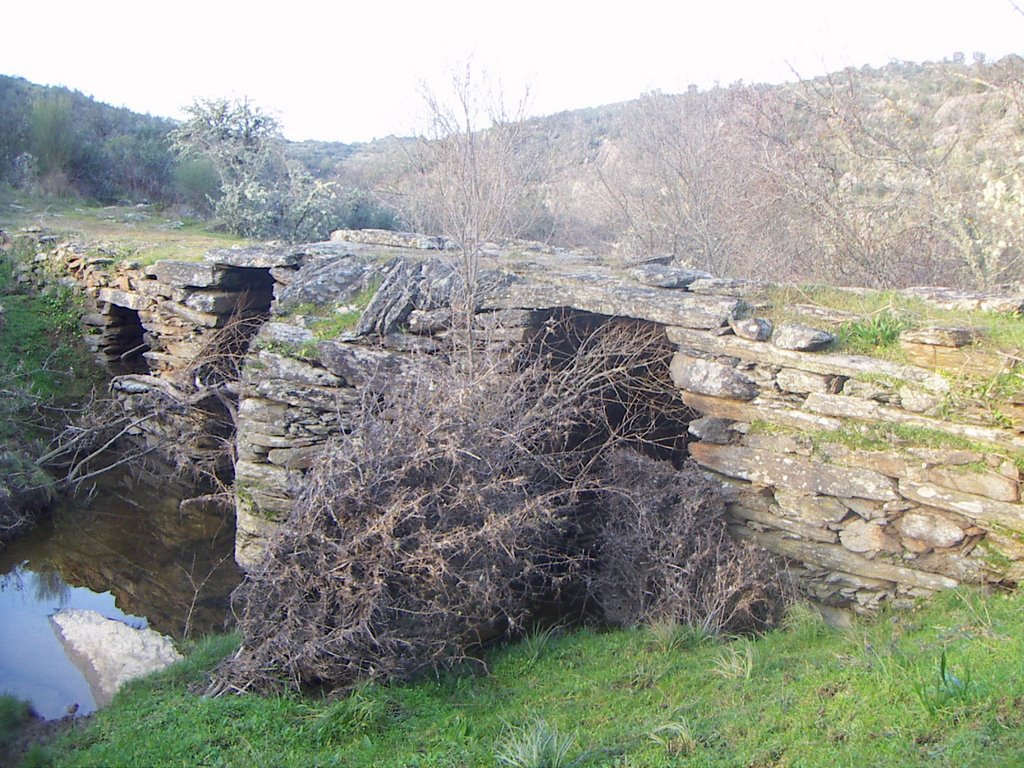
131 554
50 586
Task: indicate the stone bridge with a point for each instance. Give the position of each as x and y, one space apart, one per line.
880 477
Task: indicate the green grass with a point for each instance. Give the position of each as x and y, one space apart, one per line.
942 685
12 714
42 360
145 235
882 315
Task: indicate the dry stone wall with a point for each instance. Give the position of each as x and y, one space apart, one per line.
876 479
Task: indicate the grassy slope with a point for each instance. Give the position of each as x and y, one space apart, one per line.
805 696
145 235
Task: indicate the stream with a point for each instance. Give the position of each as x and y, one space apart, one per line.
131 555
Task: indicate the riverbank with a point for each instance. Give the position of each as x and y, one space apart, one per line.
941 685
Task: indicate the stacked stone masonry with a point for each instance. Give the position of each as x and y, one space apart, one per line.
857 470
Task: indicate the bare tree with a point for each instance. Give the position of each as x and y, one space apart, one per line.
478 173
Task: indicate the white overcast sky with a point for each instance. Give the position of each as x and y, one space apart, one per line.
350 71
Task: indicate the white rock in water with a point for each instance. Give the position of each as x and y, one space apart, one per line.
110 653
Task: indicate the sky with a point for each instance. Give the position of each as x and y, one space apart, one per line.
355 71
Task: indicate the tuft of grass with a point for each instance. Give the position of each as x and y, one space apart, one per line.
345 318
359 713
877 335
535 745
949 691
536 643
668 634
804 621
735 661
674 737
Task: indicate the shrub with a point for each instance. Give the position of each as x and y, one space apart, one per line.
468 496
666 554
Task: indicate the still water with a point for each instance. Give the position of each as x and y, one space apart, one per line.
130 555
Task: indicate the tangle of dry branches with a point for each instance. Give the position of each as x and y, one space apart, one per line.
464 498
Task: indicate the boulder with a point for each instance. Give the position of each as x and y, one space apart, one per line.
801 338
327 281
752 328
868 537
931 527
659 276
707 377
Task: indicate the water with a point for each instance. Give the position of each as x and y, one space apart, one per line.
130 556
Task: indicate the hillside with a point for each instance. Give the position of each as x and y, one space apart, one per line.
893 176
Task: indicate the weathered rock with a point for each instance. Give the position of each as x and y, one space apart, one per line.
919 401
285 333
752 328
843 407
825 363
707 377
870 390
252 532
863 536
429 322
714 430
110 653
660 276
769 517
300 458
987 483
225 302
125 299
983 511
253 410
366 367
949 298
793 473
779 443
941 336
273 365
426 285
393 239
802 382
725 286
837 558
971 361
187 274
889 463
255 257
327 281
803 338
931 526
811 508
758 409
603 294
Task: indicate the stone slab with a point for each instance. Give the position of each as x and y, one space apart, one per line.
793 473
826 363
844 407
984 511
834 557
708 377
